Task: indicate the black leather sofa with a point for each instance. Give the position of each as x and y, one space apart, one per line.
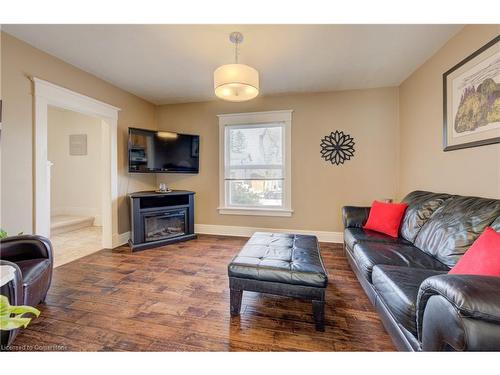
421 306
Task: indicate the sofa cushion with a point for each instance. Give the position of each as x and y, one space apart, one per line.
398 289
455 225
354 235
369 254
496 225
421 206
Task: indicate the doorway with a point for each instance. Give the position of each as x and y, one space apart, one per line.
48 95
74 149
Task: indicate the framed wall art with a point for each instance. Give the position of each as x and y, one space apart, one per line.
471 100
337 147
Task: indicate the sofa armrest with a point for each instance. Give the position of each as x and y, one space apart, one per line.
354 217
461 312
13 290
25 247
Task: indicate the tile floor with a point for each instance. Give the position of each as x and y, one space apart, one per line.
72 245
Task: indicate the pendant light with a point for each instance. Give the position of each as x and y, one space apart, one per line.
236 82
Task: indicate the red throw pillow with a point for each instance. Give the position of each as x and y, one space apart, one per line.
385 217
482 258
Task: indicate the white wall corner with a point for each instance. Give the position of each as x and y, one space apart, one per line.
120 239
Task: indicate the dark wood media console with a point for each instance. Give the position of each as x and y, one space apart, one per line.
159 219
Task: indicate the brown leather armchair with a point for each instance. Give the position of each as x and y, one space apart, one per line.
13 290
33 256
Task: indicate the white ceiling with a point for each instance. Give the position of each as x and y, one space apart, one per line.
175 63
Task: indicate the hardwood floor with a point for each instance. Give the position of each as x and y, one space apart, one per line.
176 298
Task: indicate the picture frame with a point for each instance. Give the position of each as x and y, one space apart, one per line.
471 99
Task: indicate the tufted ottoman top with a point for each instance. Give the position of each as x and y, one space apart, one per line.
283 258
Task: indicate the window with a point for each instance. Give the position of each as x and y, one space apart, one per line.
255 168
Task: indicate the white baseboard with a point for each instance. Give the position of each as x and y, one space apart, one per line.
120 239
79 211
227 230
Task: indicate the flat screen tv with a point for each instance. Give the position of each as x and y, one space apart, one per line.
152 151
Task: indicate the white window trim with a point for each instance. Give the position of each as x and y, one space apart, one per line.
256 118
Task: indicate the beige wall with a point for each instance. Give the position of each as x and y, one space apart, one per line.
19 62
319 189
398 136
0 64
1 142
472 171
76 180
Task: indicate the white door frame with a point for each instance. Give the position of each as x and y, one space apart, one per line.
45 94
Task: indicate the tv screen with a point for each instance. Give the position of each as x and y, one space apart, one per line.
152 151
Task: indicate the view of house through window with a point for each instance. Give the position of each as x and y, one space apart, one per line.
254 170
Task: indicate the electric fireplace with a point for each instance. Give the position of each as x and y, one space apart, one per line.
165 225
161 218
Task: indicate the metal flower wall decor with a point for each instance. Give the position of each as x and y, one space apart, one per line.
337 147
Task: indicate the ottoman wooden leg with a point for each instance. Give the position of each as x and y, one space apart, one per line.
235 301
319 314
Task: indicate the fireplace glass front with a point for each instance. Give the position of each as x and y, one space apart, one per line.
165 225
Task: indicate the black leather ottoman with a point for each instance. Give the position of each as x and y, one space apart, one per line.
284 264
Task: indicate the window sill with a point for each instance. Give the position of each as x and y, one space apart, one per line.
255 211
